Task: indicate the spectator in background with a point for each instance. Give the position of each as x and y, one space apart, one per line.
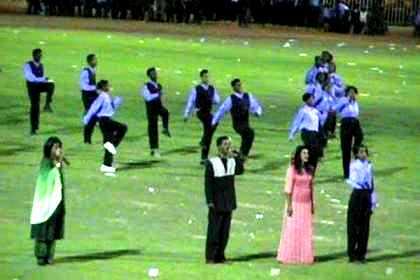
356 26
363 20
34 7
417 24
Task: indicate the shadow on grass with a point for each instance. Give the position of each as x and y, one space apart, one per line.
270 166
389 171
183 151
143 164
333 179
107 255
246 258
256 156
14 149
385 257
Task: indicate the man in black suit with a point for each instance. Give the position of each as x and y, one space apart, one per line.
221 198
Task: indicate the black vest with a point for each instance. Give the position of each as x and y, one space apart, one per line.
240 109
92 76
154 90
204 98
38 71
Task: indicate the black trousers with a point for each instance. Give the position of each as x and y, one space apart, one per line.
358 218
154 109
88 97
34 93
217 234
247 137
351 134
208 131
331 123
311 139
44 250
113 132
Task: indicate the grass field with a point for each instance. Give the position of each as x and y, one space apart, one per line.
117 229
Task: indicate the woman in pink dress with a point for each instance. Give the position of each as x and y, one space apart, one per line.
296 245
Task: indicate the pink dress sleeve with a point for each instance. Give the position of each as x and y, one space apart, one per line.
289 180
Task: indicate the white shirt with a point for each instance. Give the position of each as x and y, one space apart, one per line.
307 118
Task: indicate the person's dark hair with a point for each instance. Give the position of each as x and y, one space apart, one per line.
234 82
332 67
306 96
349 88
220 140
90 57
297 161
321 77
150 70
49 144
102 84
203 72
356 150
317 60
327 56
36 51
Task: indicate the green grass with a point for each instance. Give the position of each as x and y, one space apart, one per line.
111 215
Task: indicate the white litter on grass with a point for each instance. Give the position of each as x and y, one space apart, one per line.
228 75
189 221
153 272
392 49
404 49
177 93
380 72
151 189
246 43
292 40
287 45
179 72
202 40
157 38
322 191
41 42
371 46
286 156
303 54
333 200
16 31
375 69
326 222
269 192
366 51
158 68
290 79
274 272
351 64
141 41
259 216
74 66
182 204
401 66
273 106
109 36
391 44
239 60
339 211
319 237
252 235
396 91
327 195
200 237
389 270
404 83
365 94
342 44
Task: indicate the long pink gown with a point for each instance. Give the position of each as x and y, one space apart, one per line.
296 243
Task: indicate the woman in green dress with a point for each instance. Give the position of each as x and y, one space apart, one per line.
47 216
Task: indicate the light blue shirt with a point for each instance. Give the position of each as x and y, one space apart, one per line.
338 85
103 106
361 178
307 118
254 107
310 77
30 77
147 95
193 96
347 108
84 80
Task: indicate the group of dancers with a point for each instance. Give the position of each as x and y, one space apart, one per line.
325 97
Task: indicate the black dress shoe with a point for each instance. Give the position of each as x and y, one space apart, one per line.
47 108
41 262
166 132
